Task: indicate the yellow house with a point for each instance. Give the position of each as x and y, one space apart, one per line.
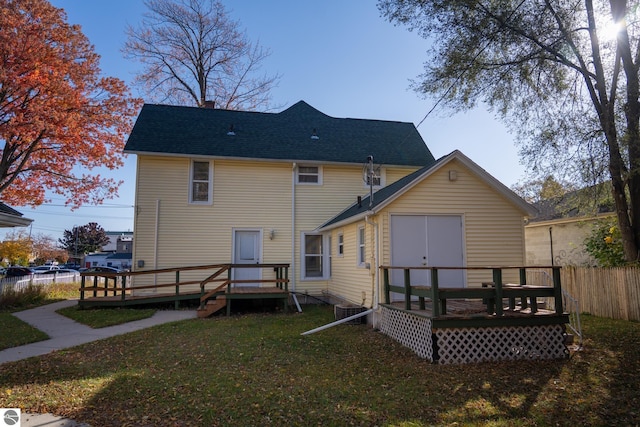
342 204
219 186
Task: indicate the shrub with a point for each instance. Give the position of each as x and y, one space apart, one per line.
11 298
604 243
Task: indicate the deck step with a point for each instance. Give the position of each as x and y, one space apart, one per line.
212 307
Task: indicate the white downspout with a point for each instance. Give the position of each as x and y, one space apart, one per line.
376 260
292 275
155 243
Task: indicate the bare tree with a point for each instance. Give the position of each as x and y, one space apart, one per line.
194 54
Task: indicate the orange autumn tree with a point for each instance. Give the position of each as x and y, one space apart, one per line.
59 118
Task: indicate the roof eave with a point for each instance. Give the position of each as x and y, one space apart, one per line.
7 220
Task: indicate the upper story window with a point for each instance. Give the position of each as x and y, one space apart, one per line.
378 178
340 244
309 175
201 186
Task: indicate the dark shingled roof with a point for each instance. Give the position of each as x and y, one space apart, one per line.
379 197
9 210
287 135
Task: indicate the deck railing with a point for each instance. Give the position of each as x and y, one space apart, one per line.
492 293
119 284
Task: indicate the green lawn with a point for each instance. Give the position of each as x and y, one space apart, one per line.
258 370
15 332
101 318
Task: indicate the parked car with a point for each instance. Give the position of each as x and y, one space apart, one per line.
42 268
60 271
102 270
19 271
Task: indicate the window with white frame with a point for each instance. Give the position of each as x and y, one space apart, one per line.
361 246
313 256
200 186
309 175
378 179
340 244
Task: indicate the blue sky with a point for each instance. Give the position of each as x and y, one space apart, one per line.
339 56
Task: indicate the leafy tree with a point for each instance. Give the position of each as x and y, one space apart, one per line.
16 248
58 117
194 53
604 244
45 249
83 239
563 74
540 189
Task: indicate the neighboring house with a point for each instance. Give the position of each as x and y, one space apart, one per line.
556 235
219 186
115 238
10 217
117 253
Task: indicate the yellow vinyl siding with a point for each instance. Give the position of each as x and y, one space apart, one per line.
349 280
492 230
493 226
246 195
316 204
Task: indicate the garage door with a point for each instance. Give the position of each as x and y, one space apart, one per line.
427 240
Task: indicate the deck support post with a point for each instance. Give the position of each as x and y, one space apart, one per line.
497 280
177 302
435 298
407 289
387 290
82 281
124 287
557 290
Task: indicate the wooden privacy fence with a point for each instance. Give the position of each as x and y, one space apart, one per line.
604 292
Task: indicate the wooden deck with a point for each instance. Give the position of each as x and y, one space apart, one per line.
116 290
462 312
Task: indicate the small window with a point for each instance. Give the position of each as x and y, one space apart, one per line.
340 244
378 179
361 246
309 175
313 255
201 188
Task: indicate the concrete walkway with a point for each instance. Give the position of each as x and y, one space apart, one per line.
65 333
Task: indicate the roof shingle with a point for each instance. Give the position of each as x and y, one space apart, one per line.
191 131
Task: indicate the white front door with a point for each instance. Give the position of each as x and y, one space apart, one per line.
427 240
247 245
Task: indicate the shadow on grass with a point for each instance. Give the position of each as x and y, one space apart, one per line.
258 370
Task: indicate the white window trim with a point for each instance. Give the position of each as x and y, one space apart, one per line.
309 183
190 191
324 258
339 245
383 180
361 245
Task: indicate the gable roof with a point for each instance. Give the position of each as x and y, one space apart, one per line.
10 217
299 133
388 194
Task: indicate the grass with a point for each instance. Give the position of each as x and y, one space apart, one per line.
15 332
101 318
258 370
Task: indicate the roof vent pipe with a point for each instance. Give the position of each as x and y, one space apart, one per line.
359 201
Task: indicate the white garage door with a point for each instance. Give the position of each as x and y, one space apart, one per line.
427 240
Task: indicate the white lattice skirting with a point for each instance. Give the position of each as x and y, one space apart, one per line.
473 345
